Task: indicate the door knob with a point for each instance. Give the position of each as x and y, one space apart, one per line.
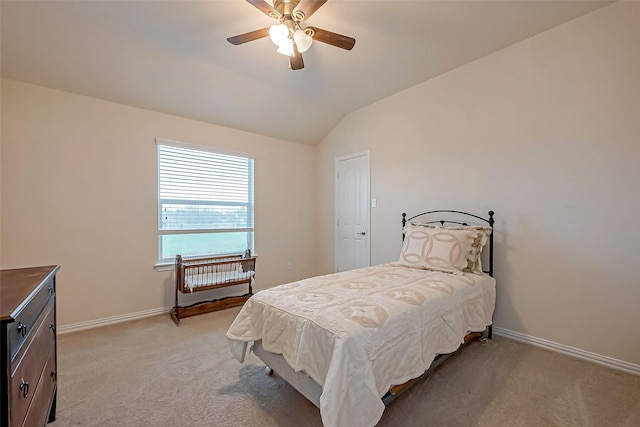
362 233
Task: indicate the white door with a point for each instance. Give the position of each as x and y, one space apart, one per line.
352 212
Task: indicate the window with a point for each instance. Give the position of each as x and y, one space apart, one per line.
205 202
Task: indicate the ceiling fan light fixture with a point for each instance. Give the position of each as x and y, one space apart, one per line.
303 40
286 48
279 34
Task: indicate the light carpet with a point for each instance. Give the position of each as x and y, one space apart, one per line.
150 372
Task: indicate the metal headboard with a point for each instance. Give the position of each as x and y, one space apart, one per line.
459 219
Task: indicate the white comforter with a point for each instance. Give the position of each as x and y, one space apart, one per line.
357 333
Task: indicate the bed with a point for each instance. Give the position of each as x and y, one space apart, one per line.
350 341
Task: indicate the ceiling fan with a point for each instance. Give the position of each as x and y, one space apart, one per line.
291 38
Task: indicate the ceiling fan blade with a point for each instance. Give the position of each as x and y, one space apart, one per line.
295 61
307 8
334 39
250 36
266 8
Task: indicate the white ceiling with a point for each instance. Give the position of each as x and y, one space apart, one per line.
173 57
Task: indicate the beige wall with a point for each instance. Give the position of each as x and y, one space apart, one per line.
79 189
547 134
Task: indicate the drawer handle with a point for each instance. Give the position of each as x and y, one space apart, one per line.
24 386
53 328
54 377
22 329
50 290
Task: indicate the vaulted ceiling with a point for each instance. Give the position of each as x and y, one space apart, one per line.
173 57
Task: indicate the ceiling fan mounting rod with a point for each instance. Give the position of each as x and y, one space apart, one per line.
286 7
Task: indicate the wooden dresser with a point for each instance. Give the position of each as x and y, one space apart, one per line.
28 337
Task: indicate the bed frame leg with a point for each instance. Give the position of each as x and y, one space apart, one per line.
487 334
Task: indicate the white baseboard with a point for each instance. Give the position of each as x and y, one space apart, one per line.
74 327
610 362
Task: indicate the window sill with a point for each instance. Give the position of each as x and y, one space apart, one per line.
164 266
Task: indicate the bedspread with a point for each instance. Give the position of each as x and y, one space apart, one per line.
357 333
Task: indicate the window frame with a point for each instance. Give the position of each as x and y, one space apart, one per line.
250 204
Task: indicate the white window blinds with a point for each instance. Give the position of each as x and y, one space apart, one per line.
205 202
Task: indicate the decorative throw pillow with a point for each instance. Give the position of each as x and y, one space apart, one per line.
474 263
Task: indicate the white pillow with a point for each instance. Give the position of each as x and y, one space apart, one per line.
436 248
474 264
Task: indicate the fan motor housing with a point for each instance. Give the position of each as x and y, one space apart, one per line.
285 7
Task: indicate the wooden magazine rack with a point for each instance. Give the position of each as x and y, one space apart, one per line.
202 274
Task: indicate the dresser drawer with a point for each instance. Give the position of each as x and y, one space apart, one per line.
28 369
38 413
20 329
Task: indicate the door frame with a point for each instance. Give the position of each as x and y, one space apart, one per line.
337 160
